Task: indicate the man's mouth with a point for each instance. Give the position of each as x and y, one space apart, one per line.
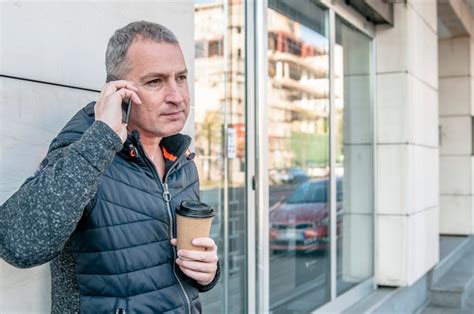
173 114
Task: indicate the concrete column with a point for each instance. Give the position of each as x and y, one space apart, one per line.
456 108
63 43
407 189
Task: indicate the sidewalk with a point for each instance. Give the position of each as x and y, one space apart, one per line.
447 289
452 290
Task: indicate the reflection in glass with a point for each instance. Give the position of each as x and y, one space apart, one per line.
354 156
298 135
219 120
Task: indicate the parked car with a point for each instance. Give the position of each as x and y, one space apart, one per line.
291 175
302 221
297 175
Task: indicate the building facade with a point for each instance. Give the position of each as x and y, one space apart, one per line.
334 138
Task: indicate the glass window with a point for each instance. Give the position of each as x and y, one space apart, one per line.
216 48
219 114
354 156
298 160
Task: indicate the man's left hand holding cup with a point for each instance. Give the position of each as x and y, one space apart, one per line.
199 265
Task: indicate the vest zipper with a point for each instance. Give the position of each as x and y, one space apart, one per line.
167 198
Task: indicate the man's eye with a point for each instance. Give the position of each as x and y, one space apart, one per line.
154 82
182 78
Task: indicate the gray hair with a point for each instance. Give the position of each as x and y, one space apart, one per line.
116 64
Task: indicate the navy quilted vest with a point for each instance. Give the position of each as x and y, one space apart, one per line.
124 261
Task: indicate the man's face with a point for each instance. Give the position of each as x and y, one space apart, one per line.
160 73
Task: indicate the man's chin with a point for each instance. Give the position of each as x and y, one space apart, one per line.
171 130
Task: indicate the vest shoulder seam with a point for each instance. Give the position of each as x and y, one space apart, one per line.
133 210
157 195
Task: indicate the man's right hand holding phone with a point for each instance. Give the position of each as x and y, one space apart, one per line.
108 108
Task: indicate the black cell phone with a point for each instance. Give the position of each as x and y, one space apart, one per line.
126 107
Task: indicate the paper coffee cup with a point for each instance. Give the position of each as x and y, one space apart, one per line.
193 220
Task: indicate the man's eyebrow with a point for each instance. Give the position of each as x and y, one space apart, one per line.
158 74
185 71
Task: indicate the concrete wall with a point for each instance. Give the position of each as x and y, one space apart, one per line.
63 43
456 105
407 144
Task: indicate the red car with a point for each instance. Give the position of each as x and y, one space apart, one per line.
301 223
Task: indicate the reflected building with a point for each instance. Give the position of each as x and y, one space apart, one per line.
298 90
220 140
298 94
219 86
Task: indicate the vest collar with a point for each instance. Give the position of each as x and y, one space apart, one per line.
173 147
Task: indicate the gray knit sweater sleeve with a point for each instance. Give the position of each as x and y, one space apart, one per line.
38 219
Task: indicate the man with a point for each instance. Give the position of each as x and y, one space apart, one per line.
101 206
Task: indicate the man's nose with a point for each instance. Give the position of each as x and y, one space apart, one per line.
173 93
